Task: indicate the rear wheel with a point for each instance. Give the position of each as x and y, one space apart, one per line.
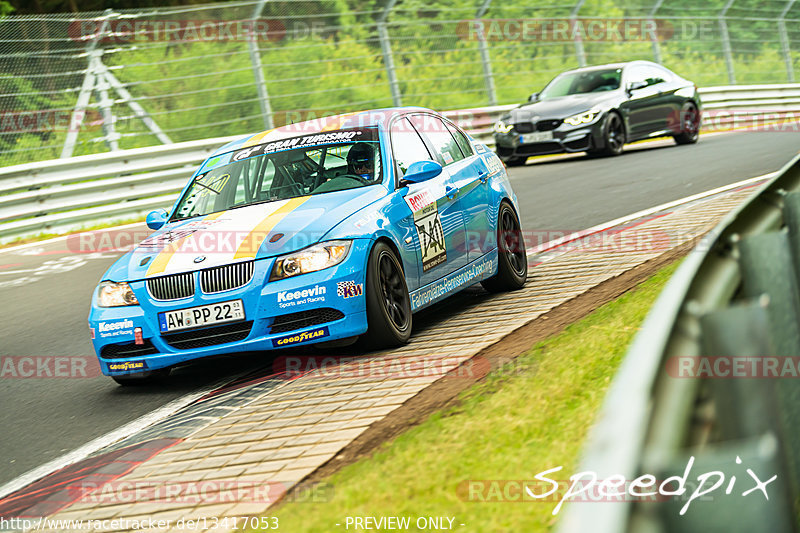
512 267
388 304
613 136
689 124
139 379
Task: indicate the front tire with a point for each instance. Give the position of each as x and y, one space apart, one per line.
388 304
613 136
512 260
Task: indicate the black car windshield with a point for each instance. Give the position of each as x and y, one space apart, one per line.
287 168
581 82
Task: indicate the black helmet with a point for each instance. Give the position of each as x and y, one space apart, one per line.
360 160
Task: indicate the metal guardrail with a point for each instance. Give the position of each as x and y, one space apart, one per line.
736 296
67 194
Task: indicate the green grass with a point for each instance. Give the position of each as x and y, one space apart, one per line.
508 427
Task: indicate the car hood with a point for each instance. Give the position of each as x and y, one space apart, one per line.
240 234
562 107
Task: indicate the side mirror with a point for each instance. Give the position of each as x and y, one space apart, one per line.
636 85
156 219
534 97
422 171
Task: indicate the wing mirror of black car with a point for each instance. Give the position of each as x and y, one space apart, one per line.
636 85
421 171
534 97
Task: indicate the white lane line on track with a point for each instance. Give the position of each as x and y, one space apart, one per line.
628 218
109 438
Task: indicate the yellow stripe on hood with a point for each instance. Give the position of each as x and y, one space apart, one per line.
250 245
159 264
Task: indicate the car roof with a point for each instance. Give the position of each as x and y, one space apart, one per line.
372 117
612 65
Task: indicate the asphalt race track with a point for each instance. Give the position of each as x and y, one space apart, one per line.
45 290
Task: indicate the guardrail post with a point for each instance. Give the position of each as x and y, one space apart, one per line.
785 48
726 42
258 70
580 53
386 49
654 36
484 50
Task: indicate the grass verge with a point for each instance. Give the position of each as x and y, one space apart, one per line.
510 426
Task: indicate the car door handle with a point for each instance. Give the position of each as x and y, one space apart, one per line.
451 192
483 175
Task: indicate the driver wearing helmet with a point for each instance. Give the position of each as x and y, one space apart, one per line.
361 161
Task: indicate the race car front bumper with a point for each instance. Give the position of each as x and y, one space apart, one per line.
316 307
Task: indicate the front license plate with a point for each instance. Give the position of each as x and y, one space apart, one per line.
536 137
202 315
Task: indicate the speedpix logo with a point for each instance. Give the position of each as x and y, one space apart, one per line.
127 366
301 337
288 296
349 289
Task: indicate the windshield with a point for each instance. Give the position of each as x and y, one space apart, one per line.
299 166
580 82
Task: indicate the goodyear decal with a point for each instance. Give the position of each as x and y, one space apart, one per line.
127 366
429 228
288 340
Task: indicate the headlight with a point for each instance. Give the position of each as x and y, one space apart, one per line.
311 259
502 127
582 118
111 294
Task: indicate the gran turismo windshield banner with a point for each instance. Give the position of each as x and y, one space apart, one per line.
314 139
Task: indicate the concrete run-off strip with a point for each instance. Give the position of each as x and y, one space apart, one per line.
282 431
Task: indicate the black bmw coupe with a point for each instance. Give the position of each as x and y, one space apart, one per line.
599 109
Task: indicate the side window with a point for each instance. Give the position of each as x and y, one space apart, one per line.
461 140
649 75
443 142
407 146
636 73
